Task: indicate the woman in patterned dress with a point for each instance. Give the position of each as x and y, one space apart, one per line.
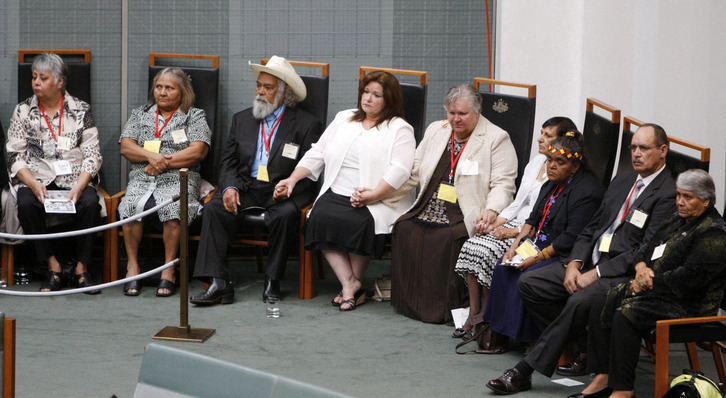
160 138
679 273
53 145
481 252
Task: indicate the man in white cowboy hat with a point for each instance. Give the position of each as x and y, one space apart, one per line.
264 145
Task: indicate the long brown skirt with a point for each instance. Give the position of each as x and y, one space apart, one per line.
424 285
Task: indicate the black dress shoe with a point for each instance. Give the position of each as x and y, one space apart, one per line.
511 382
220 291
604 393
272 289
578 367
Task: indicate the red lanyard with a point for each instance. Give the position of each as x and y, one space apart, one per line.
266 140
627 202
454 161
546 210
60 119
157 132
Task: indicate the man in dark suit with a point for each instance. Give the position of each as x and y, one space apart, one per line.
264 145
559 296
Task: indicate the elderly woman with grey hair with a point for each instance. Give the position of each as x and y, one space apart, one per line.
53 145
679 273
465 166
160 138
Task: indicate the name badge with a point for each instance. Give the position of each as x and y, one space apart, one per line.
290 150
470 167
527 249
64 143
152 146
262 174
605 243
447 192
658 252
179 136
62 167
638 218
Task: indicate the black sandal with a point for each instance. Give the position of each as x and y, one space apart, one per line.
53 283
133 285
358 299
84 280
166 284
335 303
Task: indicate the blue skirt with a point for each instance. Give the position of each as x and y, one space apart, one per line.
505 311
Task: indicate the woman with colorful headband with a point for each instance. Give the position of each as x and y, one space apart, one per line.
480 253
562 210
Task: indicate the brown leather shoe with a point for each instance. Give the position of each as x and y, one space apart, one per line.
578 367
511 382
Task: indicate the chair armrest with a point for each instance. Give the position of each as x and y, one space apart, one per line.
304 214
112 205
684 321
207 198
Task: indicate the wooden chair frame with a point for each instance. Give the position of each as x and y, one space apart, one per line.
531 88
8 357
662 350
614 113
629 121
423 76
85 53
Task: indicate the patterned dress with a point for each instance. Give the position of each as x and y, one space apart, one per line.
31 145
140 127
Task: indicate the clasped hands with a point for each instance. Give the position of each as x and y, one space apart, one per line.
484 224
158 164
643 278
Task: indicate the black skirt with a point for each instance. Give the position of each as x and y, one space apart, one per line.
336 225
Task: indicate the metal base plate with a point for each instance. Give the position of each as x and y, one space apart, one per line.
178 333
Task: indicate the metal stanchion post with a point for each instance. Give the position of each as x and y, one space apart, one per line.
184 332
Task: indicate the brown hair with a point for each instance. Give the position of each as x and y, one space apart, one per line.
391 96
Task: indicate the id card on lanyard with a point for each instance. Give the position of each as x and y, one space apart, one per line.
63 143
155 145
447 192
262 173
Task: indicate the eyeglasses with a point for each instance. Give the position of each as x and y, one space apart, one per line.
642 148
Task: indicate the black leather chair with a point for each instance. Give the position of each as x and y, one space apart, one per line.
601 139
676 160
205 83
689 331
315 103
78 63
414 97
513 113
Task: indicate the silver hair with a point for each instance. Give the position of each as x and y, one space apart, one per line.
465 92
288 97
699 182
53 64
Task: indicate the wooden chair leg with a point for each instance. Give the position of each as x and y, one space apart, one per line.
718 360
113 254
693 356
8 264
9 358
307 277
661 360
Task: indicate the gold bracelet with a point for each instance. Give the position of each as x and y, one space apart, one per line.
544 253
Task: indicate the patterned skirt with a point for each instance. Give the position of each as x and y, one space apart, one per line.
480 254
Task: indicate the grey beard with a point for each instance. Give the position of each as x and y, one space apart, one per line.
261 108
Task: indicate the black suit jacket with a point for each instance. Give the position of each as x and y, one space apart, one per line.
297 127
657 200
570 212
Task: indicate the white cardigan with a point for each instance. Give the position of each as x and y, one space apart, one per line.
386 152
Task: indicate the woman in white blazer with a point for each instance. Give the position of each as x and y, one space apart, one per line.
365 154
465 168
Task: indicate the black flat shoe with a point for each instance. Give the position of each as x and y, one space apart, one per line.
218 292
84 280
53 283
604 393
358 299
133 285
272 289
166 284
461 333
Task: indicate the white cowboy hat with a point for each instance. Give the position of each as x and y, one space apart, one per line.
281 69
